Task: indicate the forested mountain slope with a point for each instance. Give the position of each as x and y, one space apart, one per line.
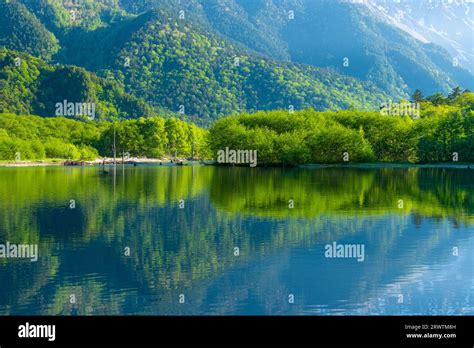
326 32
176 61
209 58
30 86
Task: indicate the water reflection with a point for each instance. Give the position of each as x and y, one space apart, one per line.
182 226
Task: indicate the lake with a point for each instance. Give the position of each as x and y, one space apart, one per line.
203 240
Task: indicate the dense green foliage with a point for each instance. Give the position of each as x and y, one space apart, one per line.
184 65
376 51
253 84
308 136
443 133
176 64
34 87
186 61
34 138
22 31
154 137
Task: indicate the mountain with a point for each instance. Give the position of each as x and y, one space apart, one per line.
185 66
177 63
370 36
23 31
30 86
208 58
449 24
58 15
327 33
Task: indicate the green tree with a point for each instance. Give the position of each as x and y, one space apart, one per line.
456 92
418 96
437 99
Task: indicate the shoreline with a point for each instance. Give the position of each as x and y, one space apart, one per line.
96 162
390 165
184 162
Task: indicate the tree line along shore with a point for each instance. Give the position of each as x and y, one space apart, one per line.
443 131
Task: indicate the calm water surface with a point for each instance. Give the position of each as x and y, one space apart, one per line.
182 226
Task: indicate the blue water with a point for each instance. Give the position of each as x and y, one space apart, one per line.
182 225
